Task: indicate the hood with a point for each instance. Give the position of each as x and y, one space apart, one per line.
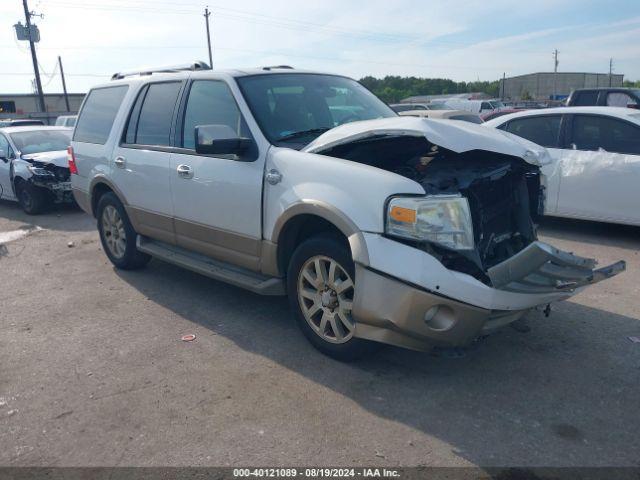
454 135
57 158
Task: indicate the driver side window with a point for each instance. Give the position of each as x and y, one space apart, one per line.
211 102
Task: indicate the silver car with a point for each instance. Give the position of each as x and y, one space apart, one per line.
33 166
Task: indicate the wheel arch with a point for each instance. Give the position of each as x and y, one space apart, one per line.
308 218
99 186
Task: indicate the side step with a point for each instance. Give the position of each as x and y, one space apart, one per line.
209 267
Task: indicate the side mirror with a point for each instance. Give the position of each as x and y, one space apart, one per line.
221 140
3 158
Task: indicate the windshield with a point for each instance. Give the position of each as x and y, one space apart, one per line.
37 141
496 104
296 108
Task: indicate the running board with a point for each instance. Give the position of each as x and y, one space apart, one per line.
209 267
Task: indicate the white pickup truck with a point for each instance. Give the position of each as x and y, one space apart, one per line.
379 228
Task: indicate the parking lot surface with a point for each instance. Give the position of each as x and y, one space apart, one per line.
93 371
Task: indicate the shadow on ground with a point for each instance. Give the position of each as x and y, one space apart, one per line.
597 233
556 395
62 217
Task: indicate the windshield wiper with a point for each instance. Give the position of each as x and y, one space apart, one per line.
303 133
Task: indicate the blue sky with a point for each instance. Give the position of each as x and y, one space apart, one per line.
462 40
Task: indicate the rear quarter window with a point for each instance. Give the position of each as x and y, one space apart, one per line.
98 113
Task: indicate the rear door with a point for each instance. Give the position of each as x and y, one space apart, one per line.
141 164
218 203
544 130
600 170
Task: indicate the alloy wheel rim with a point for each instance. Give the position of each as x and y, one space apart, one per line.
325 295
113 231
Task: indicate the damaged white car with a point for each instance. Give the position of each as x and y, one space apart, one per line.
33 166
407 231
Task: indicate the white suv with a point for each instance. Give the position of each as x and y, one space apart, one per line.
407 231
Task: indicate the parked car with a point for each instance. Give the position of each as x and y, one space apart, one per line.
404 107
499 113
474 106
34 168
400 230
605 97
19 122
444 114
66 121
596 159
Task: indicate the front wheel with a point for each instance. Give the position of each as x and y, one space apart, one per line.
117 234
321 288
32 199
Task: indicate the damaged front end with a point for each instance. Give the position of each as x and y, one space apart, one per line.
48 172
484 195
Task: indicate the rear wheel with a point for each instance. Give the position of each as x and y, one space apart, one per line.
321 288
117 234
32 199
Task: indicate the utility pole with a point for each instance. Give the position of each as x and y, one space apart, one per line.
555 72
34 58
207 14
64 84
504 80
610 70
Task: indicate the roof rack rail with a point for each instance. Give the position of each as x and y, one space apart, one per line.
277 67
193 66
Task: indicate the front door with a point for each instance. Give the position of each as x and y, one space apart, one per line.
217 200
141 163
6 191
600 170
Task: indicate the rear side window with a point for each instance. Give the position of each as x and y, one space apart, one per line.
619 99
591 132
98 113
543 130
152 115
585 99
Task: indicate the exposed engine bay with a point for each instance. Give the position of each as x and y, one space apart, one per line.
504 193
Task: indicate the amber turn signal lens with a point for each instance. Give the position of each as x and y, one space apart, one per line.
400 214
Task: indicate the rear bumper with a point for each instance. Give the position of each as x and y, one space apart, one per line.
390 311
82 199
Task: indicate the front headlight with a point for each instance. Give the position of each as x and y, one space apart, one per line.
441 219
39 171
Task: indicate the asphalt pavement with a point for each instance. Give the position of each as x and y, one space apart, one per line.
93 371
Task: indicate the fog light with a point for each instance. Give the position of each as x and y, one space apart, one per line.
439 317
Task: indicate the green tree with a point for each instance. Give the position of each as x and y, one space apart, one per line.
392 89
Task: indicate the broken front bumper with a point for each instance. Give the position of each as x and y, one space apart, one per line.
405 297
542 268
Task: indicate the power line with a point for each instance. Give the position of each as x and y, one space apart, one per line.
141 4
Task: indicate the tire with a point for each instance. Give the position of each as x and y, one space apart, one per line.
32 199
322 307
117 235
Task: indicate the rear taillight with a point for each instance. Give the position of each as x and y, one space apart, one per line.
73 168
